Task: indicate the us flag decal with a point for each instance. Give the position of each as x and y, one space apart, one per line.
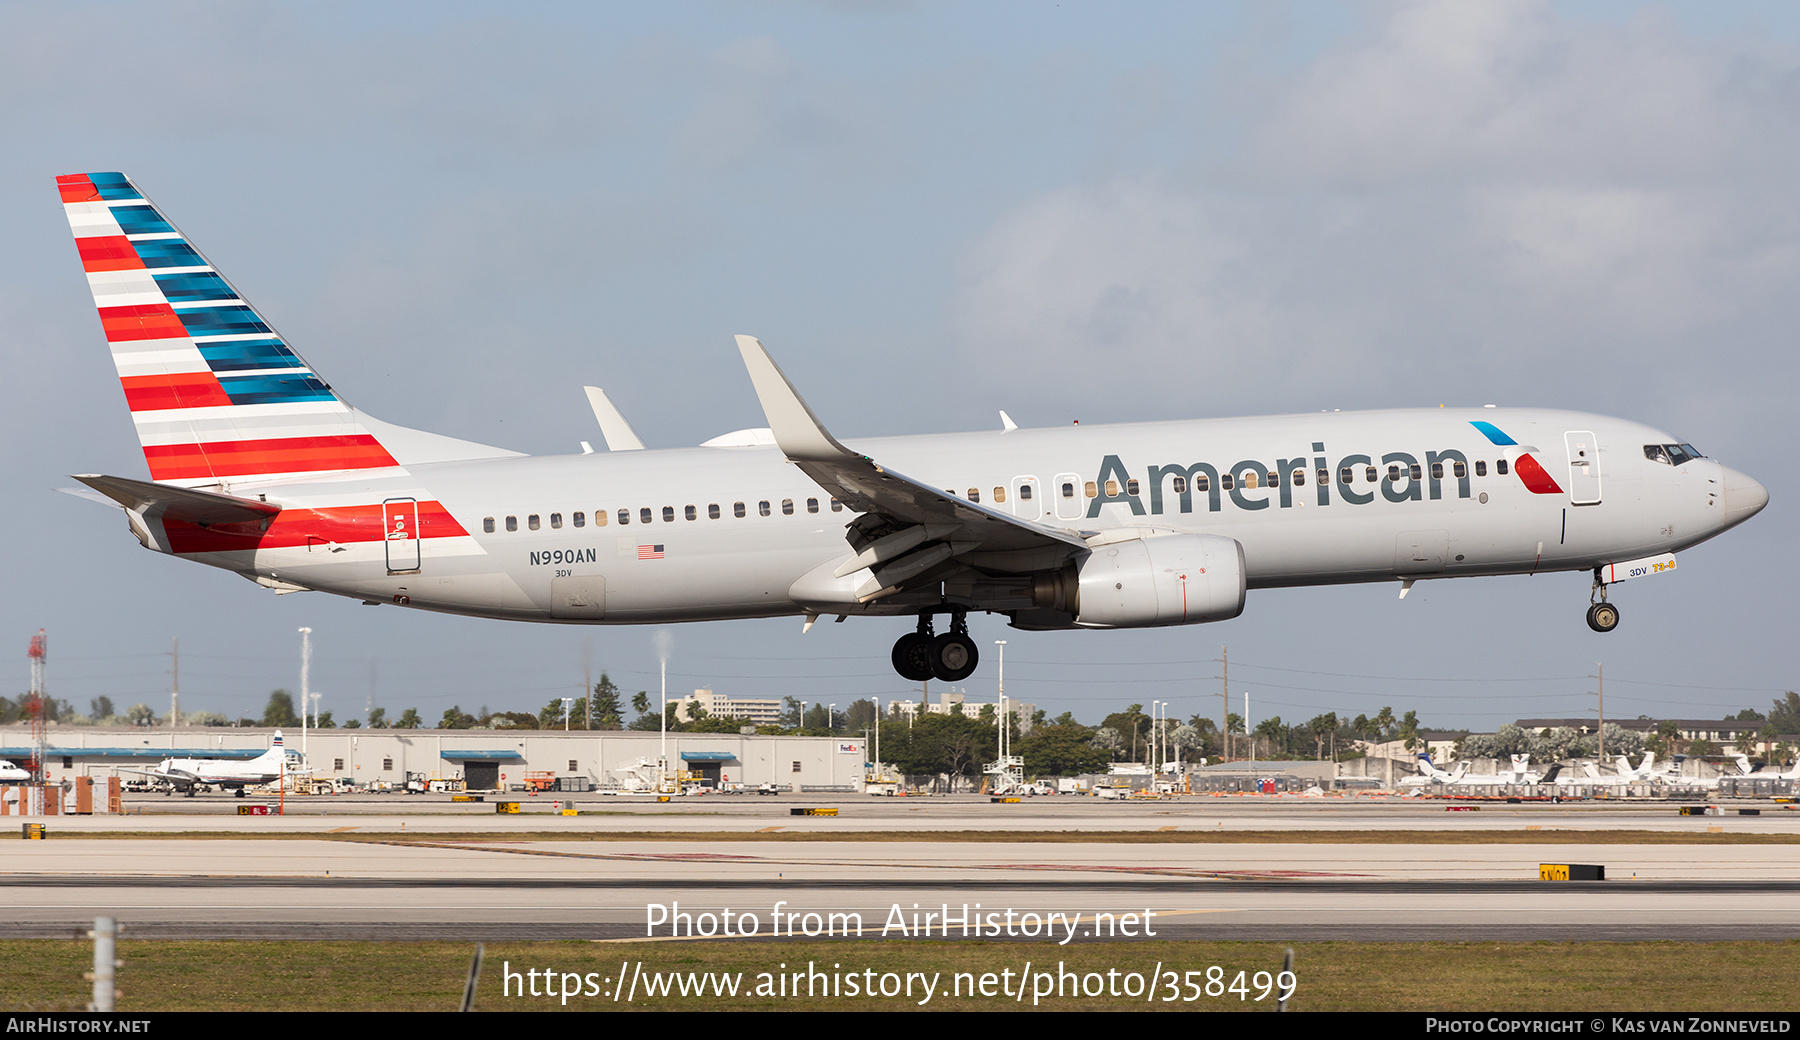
650 552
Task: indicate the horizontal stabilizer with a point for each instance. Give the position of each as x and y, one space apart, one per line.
165 501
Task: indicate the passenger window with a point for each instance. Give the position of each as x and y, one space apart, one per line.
737 510
812 505
1089 489
836 506
999 496
1394 474
763 507
712 511
668 514
1204 483
512 523
691 513
1250 480
1112 489
1461 469
624 517
1416 473
1227 481
599 518
1274 479
578 519
644 515
1299 478
1180 485
1346 475
1324 475
1131 487
1370 474
487 525
787 507
1500 466
974 494
555 521
1481 467
532 521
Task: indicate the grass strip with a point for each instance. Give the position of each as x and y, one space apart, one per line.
1596 977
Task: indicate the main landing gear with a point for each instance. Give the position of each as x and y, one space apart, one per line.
951 657
1601 615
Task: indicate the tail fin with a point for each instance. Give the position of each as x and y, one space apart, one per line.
276 752
217 395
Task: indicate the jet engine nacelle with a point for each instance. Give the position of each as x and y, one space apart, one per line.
1175 579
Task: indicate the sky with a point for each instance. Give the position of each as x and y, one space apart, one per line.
462 213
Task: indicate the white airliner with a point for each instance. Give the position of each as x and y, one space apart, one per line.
259 466
190 774
11 774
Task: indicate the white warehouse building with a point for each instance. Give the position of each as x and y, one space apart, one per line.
485 759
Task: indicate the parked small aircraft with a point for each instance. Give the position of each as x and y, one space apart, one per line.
190 774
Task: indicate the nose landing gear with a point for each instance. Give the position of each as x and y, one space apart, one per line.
951 657
1601 615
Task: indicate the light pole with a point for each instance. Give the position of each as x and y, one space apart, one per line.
1001 696
305 666
1155 748
568 704
662 761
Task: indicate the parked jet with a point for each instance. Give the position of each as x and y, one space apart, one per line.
190 774
259 466
11 774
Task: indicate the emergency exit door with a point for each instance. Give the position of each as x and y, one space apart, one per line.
401 518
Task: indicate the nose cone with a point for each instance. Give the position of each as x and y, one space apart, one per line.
1744 497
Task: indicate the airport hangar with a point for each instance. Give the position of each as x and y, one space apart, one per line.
487 759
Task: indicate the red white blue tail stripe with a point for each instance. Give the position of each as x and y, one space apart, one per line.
218 397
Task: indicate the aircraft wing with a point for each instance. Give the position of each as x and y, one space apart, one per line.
906 519
174 776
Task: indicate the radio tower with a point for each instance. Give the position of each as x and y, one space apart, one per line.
35 707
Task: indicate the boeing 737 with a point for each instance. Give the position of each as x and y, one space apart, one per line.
259 466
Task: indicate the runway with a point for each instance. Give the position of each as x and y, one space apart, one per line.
361 875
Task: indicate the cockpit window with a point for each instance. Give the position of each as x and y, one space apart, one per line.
1671 454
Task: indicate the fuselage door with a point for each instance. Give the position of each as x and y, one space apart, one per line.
1584 467
401 518
1027 500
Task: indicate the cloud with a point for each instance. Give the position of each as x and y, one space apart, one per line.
1465 195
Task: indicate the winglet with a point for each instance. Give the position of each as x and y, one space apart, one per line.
614 429
798 432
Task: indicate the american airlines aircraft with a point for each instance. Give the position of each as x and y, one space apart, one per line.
259 466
